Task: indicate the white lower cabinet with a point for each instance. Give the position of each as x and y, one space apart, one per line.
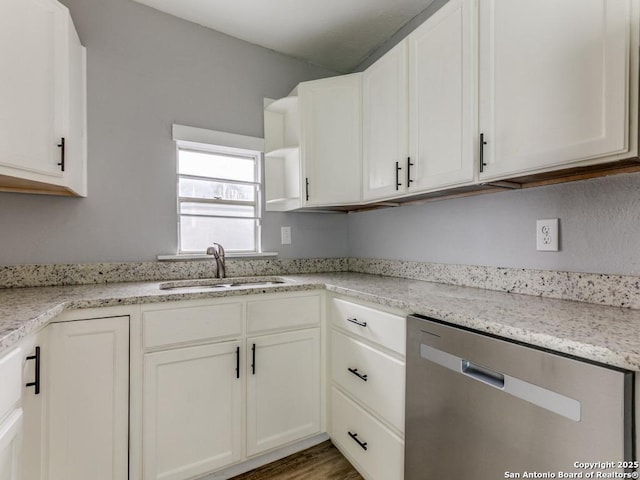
367 395
22 410
374 450
374 378
35 382
283 388
10 414
217 382
10 445
88 399
192 413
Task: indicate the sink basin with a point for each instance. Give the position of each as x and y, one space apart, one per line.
215 283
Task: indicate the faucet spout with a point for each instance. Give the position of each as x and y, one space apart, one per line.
218 253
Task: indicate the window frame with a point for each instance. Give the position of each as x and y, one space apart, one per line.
227 151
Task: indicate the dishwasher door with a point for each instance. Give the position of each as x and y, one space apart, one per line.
483 408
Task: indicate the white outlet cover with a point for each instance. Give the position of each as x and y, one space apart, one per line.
285 235
547 235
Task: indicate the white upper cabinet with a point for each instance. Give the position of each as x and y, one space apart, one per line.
385 120
554 83
442 82
43 96
419 108
331 140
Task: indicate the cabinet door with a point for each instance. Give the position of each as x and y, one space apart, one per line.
75 172
88 399
283 388
330 111
32 37
442 101
10 445
192 411
34 404
385 121
554 85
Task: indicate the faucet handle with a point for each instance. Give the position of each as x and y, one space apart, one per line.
220 250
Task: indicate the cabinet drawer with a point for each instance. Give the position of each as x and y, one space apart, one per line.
191 324
381 327
375 379
283 313
11 375
383 458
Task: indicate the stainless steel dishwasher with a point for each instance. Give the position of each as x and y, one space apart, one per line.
484 408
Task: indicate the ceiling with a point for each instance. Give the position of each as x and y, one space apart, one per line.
336 34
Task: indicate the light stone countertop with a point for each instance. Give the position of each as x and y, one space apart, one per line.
609 335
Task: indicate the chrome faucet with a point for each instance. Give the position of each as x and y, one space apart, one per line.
218 253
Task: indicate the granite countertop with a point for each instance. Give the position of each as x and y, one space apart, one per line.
603 334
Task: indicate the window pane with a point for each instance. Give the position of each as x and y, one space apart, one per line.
198 233
190 208
207 164
189 187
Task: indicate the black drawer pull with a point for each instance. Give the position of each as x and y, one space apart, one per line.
355 320
359 375
253 359
36 382
482 144
398 168
237 362
61 146
363 445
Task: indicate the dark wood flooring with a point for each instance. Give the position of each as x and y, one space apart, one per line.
322 462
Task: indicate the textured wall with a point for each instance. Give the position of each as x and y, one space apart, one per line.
599 228
146 71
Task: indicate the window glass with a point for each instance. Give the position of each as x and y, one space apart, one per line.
218 200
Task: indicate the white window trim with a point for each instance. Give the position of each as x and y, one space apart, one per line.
202 139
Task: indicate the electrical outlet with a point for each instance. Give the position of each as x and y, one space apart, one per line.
285 235
547 235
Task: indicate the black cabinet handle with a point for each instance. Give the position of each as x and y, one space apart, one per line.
482 144
237 362
36 382
306 186
398 168
253 359
61 146
363 445
359 375
409 165
355 320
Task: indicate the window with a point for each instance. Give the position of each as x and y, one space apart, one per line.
218 198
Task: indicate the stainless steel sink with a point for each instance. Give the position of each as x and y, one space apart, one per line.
215 283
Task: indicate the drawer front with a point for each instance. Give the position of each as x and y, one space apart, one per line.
10 380
283 313
375 379
383 328
383 458
191 324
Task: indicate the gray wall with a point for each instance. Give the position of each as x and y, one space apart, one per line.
599 228
146 71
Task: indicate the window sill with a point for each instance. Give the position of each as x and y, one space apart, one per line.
202 256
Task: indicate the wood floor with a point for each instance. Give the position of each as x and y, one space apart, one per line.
322 462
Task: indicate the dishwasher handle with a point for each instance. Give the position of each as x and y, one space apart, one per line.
482 374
